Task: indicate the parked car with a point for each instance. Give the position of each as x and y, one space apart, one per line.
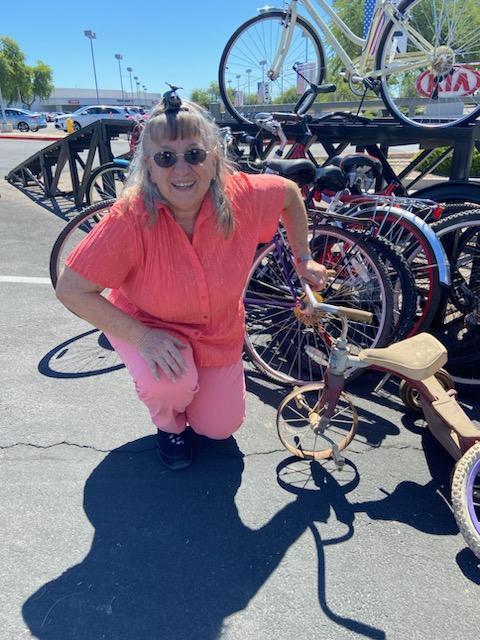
25 120
54 114
86 115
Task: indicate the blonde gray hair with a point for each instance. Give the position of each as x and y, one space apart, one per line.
190 122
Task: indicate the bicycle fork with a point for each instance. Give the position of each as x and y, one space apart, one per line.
328 399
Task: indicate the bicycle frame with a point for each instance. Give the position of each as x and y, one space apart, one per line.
385 11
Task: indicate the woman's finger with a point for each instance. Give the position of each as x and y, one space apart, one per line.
172 363
165 367
177 356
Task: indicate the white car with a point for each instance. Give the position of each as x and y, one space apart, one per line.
86 115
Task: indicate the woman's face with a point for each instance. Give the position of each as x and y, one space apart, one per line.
183 185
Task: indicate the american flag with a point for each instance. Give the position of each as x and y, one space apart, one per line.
368 16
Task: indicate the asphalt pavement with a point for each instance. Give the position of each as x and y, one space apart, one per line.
99 541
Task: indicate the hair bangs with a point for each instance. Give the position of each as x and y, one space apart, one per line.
181 125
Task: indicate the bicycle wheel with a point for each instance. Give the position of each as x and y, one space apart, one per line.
466 194
106 182
413 238
403 286
276 330
243 72
430 67
298 417
466 497
457 323
73 233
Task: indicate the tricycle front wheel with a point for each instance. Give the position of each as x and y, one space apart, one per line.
298 417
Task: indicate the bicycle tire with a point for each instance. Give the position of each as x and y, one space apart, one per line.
460 234
102 184
465 497
289 412
451 192
403 285
421 16
73 233
275 336
248 34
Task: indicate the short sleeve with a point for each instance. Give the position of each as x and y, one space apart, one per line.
109 252
266 199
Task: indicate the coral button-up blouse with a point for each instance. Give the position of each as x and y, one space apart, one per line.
193 288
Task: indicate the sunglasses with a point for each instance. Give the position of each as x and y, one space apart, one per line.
166 159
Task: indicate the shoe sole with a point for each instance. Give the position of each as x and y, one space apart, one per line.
172 464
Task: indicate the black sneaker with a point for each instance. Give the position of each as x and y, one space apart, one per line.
174 450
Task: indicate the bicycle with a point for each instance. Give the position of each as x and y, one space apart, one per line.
318 421
421 56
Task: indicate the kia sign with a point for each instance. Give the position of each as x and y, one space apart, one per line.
463 81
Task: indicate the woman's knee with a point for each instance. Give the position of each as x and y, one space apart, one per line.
182 389
218 427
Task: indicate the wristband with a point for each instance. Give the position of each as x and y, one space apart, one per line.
303 258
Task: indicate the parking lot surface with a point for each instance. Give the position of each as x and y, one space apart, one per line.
99 541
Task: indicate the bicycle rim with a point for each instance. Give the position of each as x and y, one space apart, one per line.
249 54
73 233
276 335
106 183
430 69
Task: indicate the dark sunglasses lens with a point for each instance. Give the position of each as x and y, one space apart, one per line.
195 156
165 159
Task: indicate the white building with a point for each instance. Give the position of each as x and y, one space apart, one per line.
68 99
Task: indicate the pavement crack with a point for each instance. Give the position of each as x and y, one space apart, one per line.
72 444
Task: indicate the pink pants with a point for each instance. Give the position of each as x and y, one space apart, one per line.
210 399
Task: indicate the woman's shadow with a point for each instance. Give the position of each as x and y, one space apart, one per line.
171 557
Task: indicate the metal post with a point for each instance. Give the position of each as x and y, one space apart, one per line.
2 108
136 83
119 57
92 36
129 69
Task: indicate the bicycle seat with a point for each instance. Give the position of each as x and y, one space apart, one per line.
417 358
331 178
361 162
301 171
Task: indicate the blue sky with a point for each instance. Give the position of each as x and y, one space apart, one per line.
166 40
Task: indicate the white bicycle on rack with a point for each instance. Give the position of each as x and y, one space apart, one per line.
421 56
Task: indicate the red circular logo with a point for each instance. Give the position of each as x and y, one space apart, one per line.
463 81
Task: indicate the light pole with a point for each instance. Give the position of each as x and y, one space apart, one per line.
137 83
129 69
262 63
118 56
92 36
4 126
248 72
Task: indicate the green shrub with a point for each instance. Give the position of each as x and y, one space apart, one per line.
444 167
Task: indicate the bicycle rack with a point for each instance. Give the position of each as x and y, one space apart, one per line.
41 176
378 136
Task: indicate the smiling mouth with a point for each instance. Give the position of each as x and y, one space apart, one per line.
183 185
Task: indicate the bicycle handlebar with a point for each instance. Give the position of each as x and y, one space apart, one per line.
342 312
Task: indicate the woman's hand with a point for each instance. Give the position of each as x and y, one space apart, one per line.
313 273
162 350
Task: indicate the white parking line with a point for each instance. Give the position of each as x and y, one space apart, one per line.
25 280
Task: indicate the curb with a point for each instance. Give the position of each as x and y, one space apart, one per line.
11 136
